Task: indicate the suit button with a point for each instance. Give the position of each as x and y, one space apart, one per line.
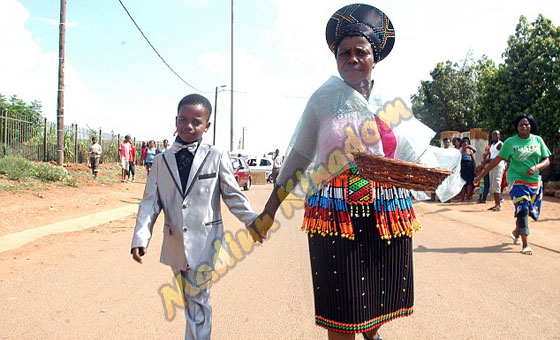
185 205
185 229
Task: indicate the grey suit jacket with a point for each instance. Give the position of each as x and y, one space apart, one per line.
193 219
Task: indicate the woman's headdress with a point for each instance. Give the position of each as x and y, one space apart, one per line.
362 20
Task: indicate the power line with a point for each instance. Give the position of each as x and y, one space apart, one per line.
176 74
153 48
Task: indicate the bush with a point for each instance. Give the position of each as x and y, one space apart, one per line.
50 173
20 169
16 168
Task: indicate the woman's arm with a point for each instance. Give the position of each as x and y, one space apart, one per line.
545 163
486 170
295 164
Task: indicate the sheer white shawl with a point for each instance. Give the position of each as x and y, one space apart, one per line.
337 121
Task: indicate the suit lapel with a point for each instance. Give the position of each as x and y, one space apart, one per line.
171 162
199 158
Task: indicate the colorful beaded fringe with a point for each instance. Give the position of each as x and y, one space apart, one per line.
329 211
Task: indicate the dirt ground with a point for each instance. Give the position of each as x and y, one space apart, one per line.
42 203
85 285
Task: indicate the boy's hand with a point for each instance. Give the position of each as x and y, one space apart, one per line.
137 253
259 228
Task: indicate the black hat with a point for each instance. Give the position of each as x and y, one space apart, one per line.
362 20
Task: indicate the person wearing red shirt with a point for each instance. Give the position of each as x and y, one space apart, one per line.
144 151
131 160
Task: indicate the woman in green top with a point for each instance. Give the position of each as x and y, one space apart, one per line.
527 156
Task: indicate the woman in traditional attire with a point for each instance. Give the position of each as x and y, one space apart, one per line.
527 155
359 231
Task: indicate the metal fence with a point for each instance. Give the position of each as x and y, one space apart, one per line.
36 140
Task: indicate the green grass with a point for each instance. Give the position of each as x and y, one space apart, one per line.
19 169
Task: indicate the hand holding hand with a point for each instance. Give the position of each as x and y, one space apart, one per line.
259 228
137 253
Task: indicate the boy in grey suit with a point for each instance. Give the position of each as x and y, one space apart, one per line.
186 182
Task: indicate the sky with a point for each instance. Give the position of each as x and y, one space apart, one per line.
116 82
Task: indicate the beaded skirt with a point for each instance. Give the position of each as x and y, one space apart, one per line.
361 259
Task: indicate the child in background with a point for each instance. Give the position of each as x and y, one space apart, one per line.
94 156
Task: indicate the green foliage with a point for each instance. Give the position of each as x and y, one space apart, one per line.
17 168
50 173
527 81
449 100
30 112
479 94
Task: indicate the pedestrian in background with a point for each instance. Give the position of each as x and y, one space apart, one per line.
486 183
497 172
468 167
124 155
276 165
446 143
131 161
94 156
164 148
527 155
143 153
150 155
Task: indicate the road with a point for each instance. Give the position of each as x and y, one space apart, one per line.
471 283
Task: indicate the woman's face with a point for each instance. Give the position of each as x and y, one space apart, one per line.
355 60
524 127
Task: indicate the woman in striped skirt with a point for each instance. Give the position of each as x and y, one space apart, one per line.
360 231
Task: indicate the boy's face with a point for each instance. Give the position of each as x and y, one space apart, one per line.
192 122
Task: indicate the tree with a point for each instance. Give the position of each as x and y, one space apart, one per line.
16 106
527 81
448 101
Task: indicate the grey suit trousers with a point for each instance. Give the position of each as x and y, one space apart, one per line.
196 292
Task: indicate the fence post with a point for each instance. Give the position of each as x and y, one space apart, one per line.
118 145
76 160
5 127
45 142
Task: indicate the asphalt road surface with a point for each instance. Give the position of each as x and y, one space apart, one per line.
470 283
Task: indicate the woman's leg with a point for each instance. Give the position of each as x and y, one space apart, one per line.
523 227
371 334
340 336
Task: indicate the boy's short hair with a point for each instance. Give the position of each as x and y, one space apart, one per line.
195 99
446 139
93 138
466 139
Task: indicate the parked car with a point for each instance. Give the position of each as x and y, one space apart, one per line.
242 172
262 165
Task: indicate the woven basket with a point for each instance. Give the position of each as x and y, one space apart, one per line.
400 173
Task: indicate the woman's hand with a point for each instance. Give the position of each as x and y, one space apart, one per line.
260 226
476 181
532 170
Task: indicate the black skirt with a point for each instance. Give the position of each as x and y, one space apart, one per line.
362 283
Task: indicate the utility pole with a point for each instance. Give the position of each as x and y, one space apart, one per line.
243 138
231 85
60 101
216 111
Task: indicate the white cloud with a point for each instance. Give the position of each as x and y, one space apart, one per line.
31 74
